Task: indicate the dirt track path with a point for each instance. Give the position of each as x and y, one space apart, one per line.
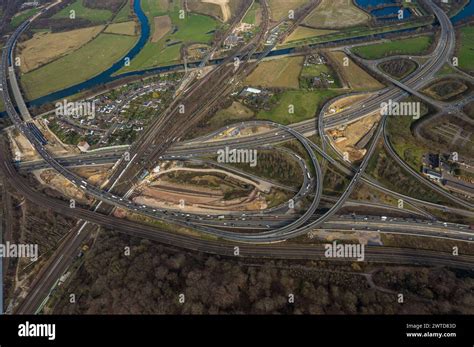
224 4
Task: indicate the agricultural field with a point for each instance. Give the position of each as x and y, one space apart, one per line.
466 49
288 74
45 47
162 25
99 54
336 14
277 73
219 9
194 28
94 15
124 15
280 8
353 32
122 28
234 112
306 105
355 77
410 46
253 15
304 32
154 8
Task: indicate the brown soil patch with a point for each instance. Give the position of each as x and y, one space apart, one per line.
94 175
45 47
57 182
347 139
162 27
353 75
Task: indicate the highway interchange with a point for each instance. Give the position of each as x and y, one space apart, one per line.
280 229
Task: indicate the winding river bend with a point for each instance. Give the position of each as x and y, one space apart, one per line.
108 76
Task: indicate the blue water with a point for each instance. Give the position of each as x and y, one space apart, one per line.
274 53
367 3
387 11
466 12
106 76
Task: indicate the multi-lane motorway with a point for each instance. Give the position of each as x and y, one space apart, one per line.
148 151
275 235
68 250
131 169
105 196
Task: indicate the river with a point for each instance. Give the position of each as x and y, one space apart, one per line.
107 75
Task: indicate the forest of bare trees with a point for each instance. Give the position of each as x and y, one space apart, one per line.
151 278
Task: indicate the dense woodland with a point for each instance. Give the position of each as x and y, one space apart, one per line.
276 165
111 5
435 138
8 10
398 68
150 280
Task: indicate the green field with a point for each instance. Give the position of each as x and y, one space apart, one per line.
405 144
446 70
403 141
124 14
308 72
86 62
22 16
235 112
355 32
193 28
306 104
332 14
251 15
152 9
387 171
94 15
280 8
413 45
155 8
466 50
